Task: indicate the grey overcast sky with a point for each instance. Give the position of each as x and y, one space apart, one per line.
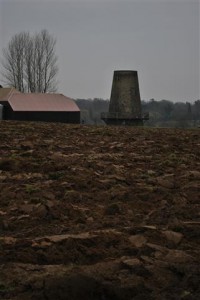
158 38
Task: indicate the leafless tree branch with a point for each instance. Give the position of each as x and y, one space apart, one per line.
29 62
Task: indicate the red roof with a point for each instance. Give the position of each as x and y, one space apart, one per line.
5 93
42 102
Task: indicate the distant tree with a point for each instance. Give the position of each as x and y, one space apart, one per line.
166 108
196 109
189 111
94 108
30 63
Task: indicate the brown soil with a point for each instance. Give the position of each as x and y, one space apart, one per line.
99 213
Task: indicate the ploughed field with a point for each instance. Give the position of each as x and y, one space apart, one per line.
98 212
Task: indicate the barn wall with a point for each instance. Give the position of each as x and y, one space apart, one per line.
7 111
63 117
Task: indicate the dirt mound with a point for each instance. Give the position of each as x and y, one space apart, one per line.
101 213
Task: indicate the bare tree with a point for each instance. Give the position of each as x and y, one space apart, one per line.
13 62
30 64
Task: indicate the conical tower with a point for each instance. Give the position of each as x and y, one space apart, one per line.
125 102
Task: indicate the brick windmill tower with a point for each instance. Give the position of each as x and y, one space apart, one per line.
125 103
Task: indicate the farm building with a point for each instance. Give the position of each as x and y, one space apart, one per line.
37 107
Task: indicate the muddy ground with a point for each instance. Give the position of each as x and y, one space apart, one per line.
99 213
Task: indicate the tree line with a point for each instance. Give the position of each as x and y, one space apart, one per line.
163 113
